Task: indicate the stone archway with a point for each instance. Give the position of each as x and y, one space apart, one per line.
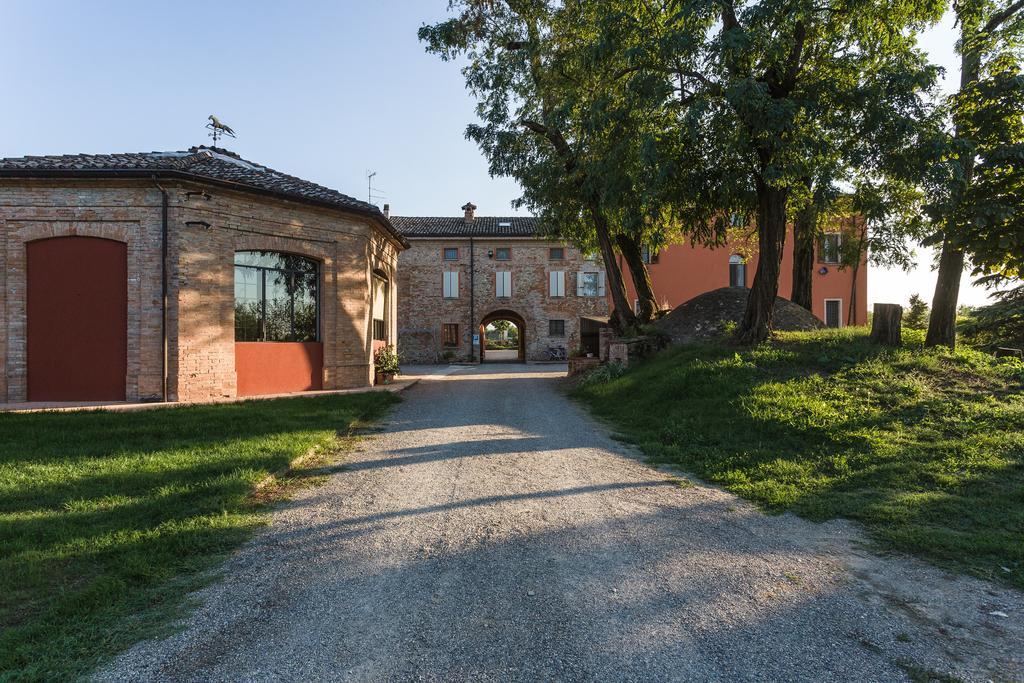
512 317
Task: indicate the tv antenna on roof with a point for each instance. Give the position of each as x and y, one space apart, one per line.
218 129
372 192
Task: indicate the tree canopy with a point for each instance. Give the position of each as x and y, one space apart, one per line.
976 191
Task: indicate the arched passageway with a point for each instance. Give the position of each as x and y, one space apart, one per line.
503 337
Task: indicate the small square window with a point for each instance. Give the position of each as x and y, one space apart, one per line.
450 335
503 253
556 328
556 254
451 253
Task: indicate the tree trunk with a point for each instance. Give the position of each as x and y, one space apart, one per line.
771 237
805 229
942 323
622 313
886 324
851 316
632 253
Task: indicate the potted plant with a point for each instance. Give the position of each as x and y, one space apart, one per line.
385 363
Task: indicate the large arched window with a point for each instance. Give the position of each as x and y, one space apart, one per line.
276 297
737 271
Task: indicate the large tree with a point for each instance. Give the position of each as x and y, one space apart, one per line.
528 69
767 95
979 196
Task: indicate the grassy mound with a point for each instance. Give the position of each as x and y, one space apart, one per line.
107 519
710 316
924 447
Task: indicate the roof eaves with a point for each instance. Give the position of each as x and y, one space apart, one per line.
373 214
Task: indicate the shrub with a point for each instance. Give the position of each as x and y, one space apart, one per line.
917 313
386 359
602 374
998 324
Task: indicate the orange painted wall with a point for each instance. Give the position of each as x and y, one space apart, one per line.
683 272
278 367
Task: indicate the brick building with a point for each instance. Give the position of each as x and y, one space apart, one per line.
462 273
839 294
185 276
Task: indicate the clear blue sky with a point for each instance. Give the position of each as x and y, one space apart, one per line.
323 90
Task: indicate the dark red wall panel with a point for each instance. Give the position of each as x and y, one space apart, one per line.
77 308
278 367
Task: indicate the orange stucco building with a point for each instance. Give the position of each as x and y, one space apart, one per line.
680 272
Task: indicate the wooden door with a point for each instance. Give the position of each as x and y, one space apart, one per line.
77 309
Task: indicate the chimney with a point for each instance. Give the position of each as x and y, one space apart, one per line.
387 211
470 212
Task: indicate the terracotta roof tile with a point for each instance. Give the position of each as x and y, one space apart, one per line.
456 226
202 163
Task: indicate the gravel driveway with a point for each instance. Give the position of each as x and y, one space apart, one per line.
493 531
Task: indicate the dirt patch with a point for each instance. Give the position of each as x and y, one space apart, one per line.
706 317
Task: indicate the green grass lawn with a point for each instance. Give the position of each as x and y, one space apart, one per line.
107 519
924 447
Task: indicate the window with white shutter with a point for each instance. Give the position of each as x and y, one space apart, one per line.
589 284
503 284
556 283
451 284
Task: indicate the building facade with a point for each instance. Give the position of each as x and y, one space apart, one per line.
462 273
679 272
185 276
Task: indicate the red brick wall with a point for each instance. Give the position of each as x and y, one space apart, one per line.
201 294
423 309
129 213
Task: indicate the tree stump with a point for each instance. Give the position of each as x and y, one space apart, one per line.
886 324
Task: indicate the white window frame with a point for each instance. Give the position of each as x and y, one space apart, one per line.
503 284
737 260
600 283
825 313
556 284
450 287
822 258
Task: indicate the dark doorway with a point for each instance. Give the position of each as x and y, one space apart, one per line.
497 349
77 309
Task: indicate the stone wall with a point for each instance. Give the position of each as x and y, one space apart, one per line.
423 309
206 225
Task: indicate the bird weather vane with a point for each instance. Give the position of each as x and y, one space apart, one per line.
218 129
